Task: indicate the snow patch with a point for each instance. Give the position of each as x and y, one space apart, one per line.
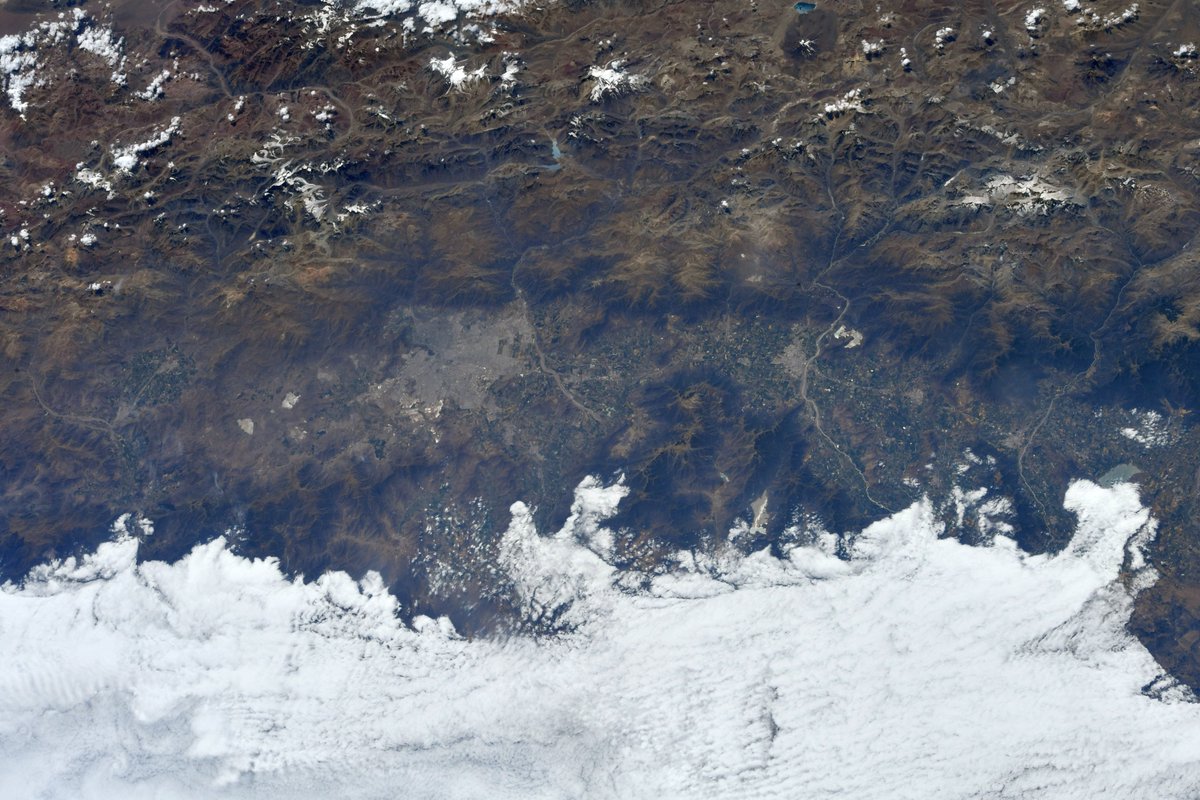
1034 20
852 101
612 80
1030 194
455 74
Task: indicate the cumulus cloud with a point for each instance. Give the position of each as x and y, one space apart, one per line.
921 667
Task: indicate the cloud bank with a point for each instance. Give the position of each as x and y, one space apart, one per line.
918 668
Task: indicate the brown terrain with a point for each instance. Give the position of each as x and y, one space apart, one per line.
348 289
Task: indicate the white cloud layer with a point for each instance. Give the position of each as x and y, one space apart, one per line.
919 668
